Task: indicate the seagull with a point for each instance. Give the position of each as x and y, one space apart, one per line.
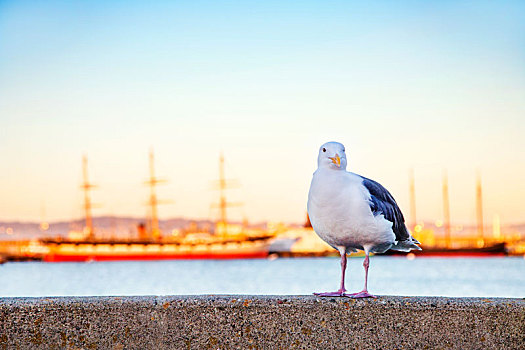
351 212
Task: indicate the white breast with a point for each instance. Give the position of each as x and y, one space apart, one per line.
339 210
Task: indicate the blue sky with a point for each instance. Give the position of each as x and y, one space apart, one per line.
428 85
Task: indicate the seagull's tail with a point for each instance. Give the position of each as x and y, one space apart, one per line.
407 245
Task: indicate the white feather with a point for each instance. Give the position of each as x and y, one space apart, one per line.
339 210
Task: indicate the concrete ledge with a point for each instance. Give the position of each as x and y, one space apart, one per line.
261 322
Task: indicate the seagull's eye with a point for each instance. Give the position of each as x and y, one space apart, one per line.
324 149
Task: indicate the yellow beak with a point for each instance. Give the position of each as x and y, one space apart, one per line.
336 160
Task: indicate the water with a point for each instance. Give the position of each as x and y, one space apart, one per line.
487 277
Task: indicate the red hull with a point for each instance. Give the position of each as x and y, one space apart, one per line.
189 256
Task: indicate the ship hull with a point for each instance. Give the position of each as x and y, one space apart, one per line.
146 257
71 252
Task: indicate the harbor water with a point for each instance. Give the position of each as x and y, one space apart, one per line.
456 277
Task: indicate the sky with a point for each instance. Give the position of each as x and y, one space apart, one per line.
426 85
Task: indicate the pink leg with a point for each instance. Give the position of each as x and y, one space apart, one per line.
342 290
364 293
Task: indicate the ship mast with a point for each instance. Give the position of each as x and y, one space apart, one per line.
412 189
223 184
155 232
479 209
88 229
446 209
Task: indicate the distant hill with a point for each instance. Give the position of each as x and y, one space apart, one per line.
105 226
113 226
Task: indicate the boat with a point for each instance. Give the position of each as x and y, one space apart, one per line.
476 244
228 241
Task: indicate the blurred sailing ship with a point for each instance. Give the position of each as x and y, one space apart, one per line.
464 244
226 241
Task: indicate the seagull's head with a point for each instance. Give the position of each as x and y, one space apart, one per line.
332 155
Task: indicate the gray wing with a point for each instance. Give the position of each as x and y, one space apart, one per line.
382 202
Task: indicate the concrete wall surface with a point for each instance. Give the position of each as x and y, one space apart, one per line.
261 322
